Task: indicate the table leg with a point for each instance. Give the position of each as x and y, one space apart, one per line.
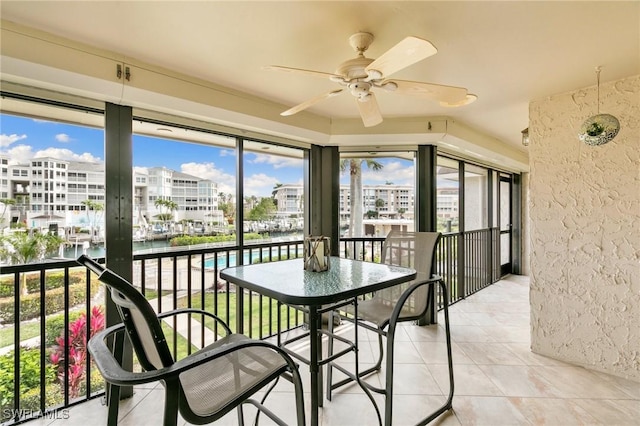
316 392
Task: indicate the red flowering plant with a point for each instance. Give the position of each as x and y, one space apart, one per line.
77 347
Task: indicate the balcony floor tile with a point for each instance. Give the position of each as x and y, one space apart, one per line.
498 380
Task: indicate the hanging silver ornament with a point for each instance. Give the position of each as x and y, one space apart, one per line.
600 128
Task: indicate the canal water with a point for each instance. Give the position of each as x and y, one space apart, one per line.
73 251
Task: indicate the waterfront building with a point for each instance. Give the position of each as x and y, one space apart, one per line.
289 200
51 192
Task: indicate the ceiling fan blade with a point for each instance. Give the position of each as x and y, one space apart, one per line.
299 71
407 52
468 100
438 92
310 102
369 111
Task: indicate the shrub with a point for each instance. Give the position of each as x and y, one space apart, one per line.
97 383
52 280
53 395
29 379
187 240
30 304
77 349
55 324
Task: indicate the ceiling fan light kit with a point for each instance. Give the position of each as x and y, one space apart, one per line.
599 129
361 75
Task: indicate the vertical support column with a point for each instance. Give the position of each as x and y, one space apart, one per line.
426 210
119 209
461 228
322 193
240 230
306 192
488 278
322 200
426 188
239 197
490 197
516 221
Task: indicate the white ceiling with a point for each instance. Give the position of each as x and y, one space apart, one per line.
507 53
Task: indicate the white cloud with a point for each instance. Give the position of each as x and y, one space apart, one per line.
67 154
19 154
399 173
260 185
227 153
23 153
6 140
225 181
276 161
63 137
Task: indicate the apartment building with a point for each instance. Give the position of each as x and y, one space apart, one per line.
396 201
289 200
196 198
52 191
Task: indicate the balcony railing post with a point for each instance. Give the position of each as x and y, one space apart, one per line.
239 299
461 284
16 341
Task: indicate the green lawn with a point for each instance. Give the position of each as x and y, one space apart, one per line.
182 342
27 331
255 306
153 294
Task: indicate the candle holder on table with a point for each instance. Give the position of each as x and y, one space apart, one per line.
316 253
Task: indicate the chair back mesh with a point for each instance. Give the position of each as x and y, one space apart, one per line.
413 250
141 322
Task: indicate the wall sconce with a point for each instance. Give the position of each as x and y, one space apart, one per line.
525 137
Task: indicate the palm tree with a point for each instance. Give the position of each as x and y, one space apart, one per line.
169 205
6 202
228 208
355 189
172 206
94 209
22 248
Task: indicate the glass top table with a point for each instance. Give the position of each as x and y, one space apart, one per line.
287 282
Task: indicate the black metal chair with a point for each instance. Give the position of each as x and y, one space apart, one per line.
203 386
385 309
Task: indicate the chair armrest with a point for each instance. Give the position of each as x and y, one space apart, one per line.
407 293
113 373
109 367
196 311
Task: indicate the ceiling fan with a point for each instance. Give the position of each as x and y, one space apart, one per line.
361 75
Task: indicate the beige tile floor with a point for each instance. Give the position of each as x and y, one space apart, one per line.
498 380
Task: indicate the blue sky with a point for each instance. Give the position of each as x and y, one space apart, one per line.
25 138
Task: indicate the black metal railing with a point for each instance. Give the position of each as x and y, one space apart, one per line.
44 367
468 262
362 248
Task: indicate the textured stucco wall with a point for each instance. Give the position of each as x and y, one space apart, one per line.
585 231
